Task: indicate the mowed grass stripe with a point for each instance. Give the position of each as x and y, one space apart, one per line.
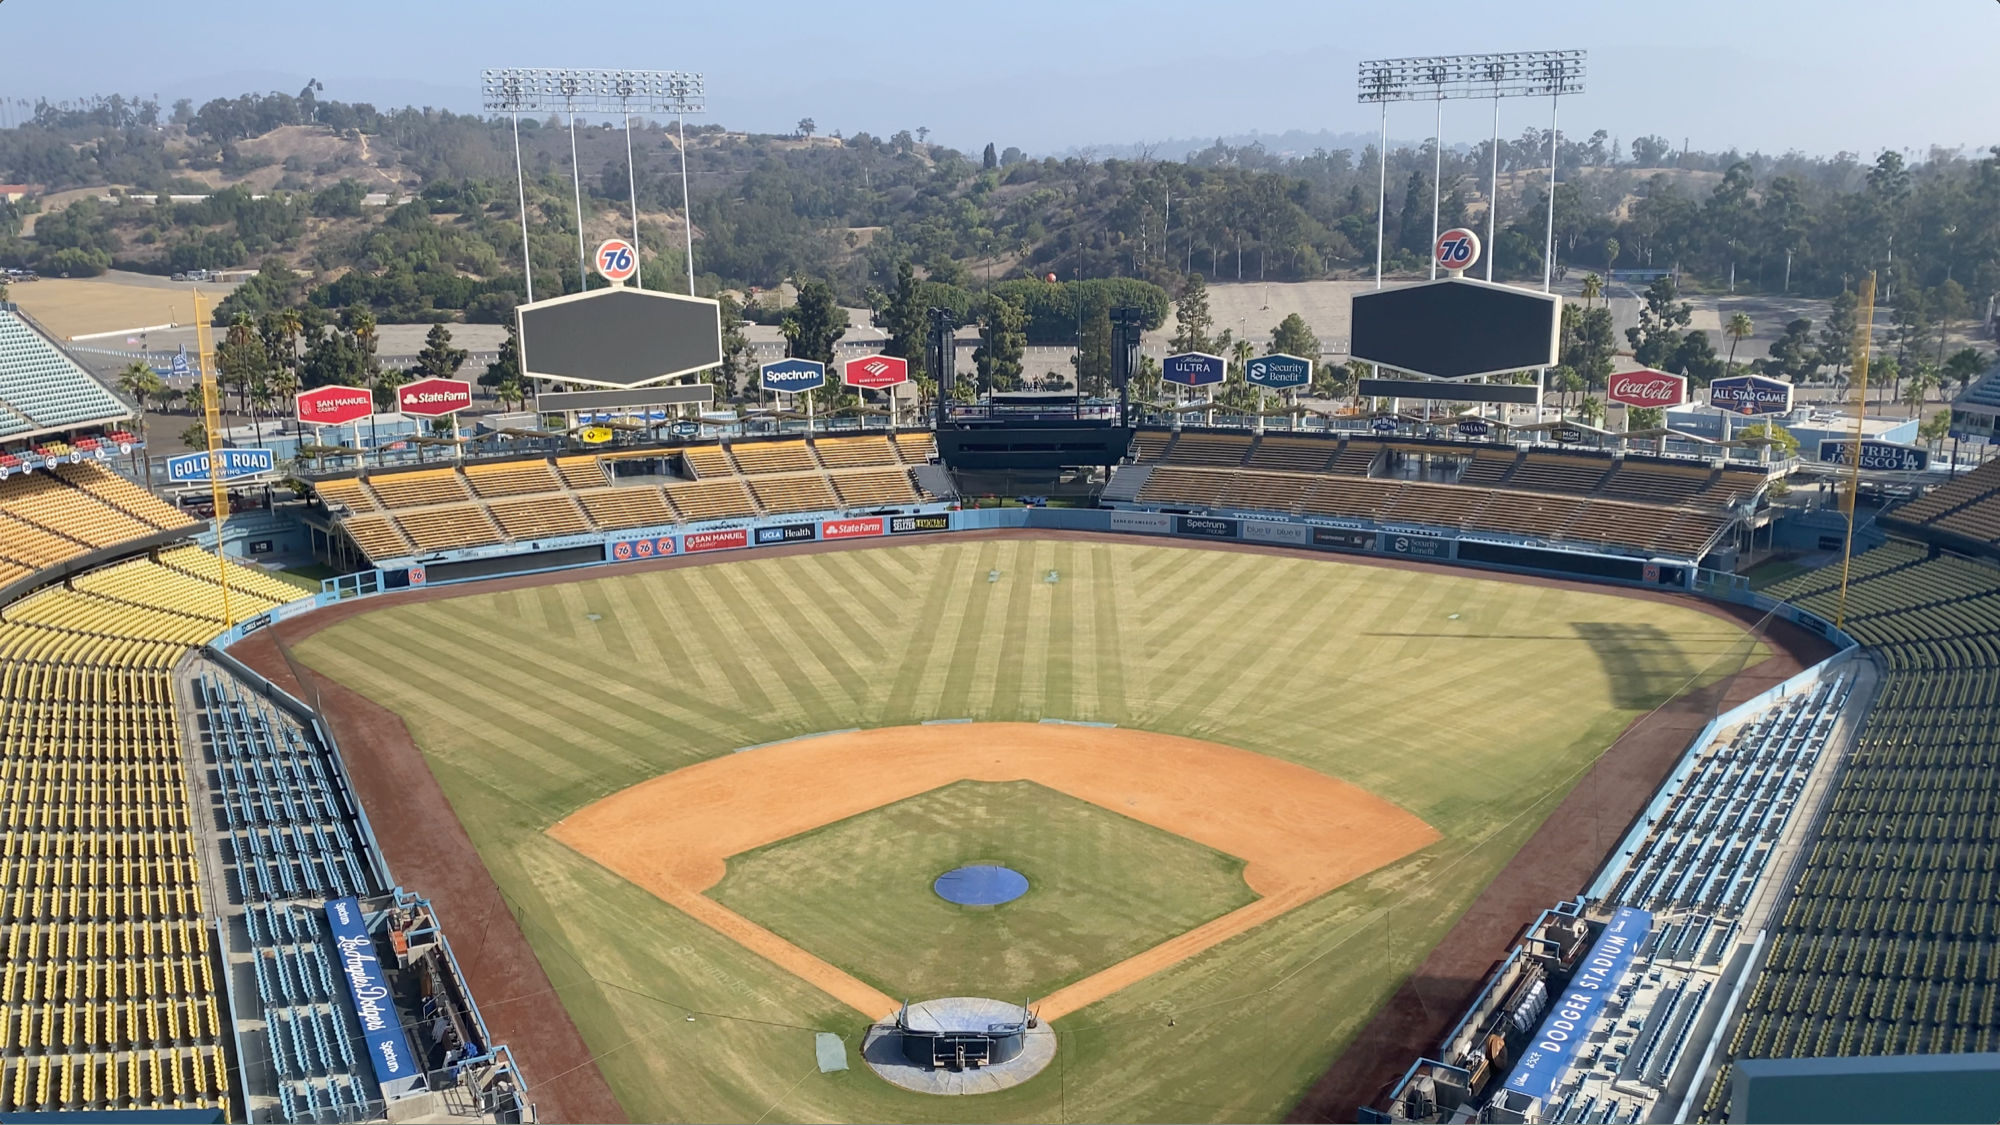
1474 724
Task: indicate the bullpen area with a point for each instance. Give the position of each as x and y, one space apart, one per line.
1248 792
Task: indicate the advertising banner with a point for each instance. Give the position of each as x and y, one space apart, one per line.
851 529
1343 539
906 525
1876 456
333 406
786 533
368 987
1149 523
632 550
792 376
1207 526
191 468
1647 388
1193 369
1573 1010
875 372
1415 546
1264 531
724 540
433 398
1279 371
1751 394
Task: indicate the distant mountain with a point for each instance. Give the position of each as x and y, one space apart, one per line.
1291 142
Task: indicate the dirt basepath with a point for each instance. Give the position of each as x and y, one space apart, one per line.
432 855
1301 832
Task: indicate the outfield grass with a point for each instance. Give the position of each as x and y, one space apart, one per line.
1102 887
1473 703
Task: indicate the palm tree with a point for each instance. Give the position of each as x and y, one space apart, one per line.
1593 288
1591 410
1610 254
1918 390
1738 329
139 382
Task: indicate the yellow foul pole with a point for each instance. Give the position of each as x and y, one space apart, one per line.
1864 324
211 406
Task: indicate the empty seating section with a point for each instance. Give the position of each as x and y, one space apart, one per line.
612 508
1525 513
1968 505
855 452
1441 505
1150 445
1890 941
440 529
1270 491
773 456
581 472
416 489
915 449
536 517
1657 484
43 389
708 461
198 563
1542 472
1208 449
1355 497
711 500
1298 455
1488 466
512 478
1734 485
377 536
347 492
110 488
869 488
56 516
1169 485
292 838
109 998
795 492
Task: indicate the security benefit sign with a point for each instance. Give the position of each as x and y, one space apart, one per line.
1876 456
1573 1010
368 987
1415 546
237 464
635 550
1279 372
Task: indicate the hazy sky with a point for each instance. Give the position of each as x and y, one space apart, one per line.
1815 75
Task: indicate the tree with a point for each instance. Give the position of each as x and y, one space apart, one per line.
1695 357
1610 254
195 436
1593 287
1293 336
1963 365
241 362
1738 330
1192 320
1566 381
806 128
1591 410
733 376
1588 342
1657 335
1093 358
989 160
1950 303
1836 336
1792 355
1645 417
814 323
140 382
1918 390
1781 438
903 318
439 360
1002 342
506 367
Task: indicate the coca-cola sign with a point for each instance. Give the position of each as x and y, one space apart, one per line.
1647 388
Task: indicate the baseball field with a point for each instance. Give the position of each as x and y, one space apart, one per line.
715 798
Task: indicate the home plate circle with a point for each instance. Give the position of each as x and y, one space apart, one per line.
981 884
959 1045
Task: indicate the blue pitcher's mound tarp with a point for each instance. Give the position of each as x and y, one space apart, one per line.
981 884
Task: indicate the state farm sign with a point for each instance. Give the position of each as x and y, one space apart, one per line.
432 398
1647 388
333 406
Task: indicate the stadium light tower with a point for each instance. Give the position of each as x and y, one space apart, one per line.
515 90
1437 78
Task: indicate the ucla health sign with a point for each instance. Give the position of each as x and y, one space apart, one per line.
1573 1010
1876 456
792 376
190 468
1751 394
354 951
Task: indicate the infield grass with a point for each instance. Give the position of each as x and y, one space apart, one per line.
1473 703
1101 887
